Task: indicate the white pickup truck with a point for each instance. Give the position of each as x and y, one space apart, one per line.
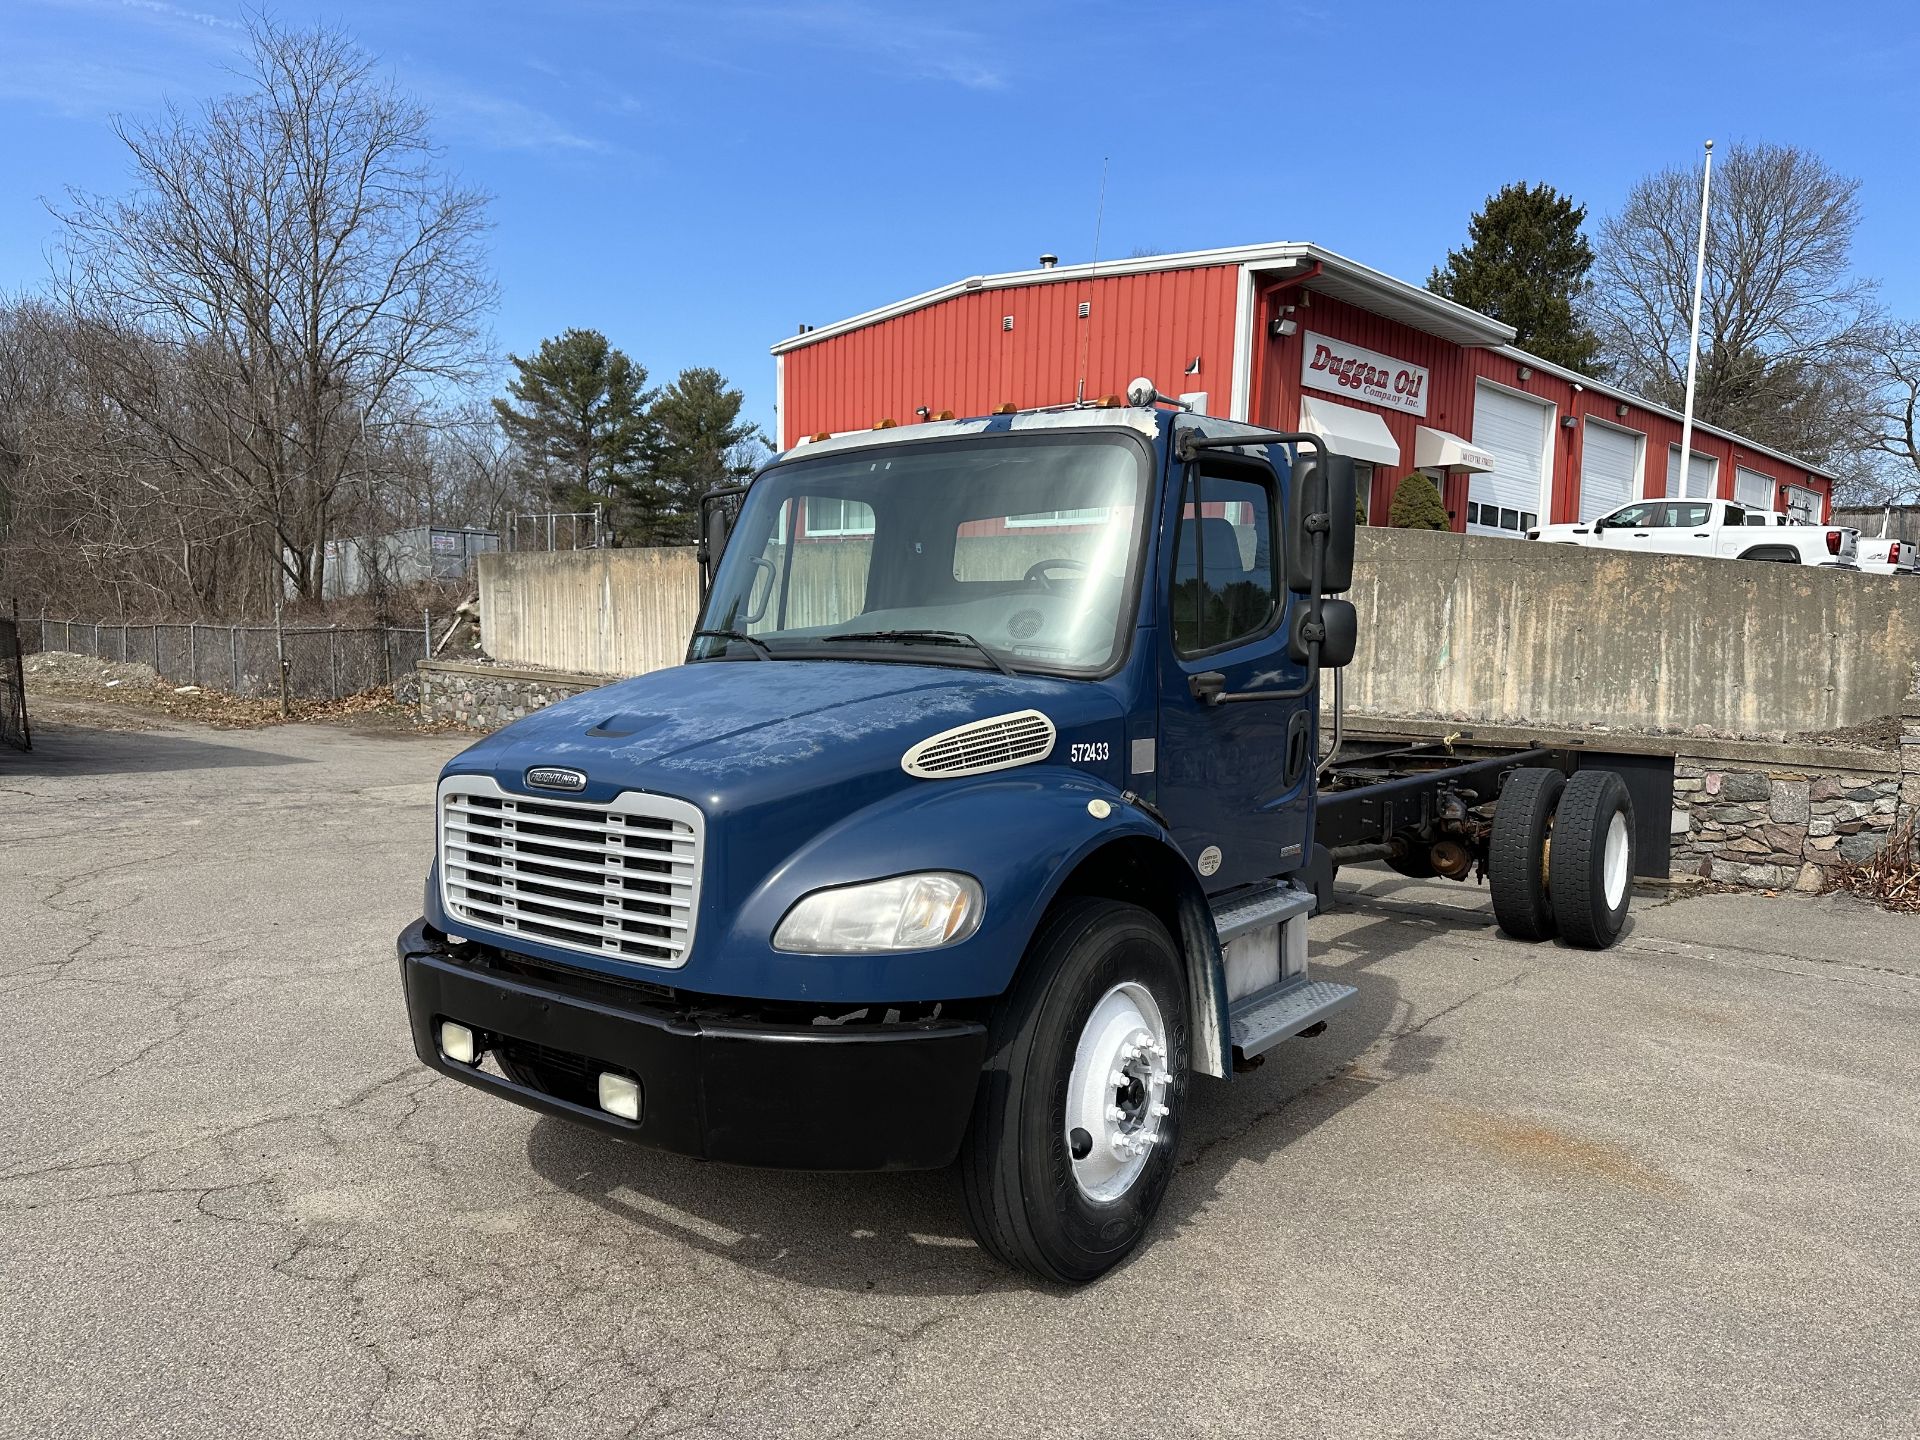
1711 527
1888 555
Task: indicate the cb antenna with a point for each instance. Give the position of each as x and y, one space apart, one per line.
1086 321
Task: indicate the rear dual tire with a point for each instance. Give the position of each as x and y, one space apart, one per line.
1590 867
1561 857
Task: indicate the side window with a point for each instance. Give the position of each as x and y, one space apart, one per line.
812 569
1226 567
1632 517
1736 515
1686 517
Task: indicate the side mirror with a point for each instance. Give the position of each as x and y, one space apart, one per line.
716 523
1338 627
1322 486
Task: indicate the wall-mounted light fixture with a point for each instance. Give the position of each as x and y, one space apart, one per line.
1567 422
1621 410
1525 374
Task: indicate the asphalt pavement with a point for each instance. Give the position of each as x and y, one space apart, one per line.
1516 1190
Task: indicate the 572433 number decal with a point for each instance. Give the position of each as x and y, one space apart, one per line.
1094 750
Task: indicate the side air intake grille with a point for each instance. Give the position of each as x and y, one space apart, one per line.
982 746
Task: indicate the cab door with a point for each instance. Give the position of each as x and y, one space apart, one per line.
1232 779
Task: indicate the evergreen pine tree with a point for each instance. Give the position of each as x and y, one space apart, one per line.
1526 263
579 418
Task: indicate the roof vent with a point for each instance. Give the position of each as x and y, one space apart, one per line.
1047 262
981 746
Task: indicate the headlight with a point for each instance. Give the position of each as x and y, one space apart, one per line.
908 912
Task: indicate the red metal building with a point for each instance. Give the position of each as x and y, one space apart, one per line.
1294 337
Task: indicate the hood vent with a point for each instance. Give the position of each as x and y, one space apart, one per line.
981 746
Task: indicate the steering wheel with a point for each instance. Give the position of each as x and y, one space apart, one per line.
1037 572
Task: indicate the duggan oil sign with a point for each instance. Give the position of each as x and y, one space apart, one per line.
1343 369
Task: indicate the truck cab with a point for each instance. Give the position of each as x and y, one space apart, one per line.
980 819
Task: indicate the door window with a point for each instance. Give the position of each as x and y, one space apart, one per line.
1226 569
1632 517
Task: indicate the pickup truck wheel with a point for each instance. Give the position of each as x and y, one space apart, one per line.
1590 871
1074 1132
1523 821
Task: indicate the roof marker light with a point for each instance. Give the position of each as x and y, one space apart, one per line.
886 424
1006 408
943 414
1107 402
822 435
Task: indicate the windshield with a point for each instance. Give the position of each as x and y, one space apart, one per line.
1017 553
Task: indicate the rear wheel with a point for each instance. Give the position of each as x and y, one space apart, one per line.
1517 854
1590 869
1074 1131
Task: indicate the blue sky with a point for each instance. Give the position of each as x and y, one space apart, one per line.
695 179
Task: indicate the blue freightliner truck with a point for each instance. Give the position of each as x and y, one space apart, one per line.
989 808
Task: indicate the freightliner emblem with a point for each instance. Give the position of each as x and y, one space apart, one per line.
556 777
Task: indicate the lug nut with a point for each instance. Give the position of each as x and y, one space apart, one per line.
1162 1111
1114 1112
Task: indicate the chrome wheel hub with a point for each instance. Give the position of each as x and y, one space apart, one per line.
1117 1093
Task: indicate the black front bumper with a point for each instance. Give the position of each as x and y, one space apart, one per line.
813 1097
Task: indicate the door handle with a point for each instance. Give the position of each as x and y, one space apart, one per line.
1703 534
1207 686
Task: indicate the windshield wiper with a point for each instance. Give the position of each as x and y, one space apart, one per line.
760 650
931 637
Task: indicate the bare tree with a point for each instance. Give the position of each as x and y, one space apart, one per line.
1784 318
1889 468
292 267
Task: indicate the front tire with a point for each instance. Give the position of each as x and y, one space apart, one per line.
1075 1129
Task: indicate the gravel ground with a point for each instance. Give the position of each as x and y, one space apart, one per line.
1516 1190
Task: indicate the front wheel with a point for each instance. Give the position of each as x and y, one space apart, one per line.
1073 1135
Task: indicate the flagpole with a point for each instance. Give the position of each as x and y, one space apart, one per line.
1693 336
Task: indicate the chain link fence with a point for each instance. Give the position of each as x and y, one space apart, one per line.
319 662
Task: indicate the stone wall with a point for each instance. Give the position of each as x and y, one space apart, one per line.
486 697
1783 825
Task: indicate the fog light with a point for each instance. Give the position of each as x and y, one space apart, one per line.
619 1095
456 1042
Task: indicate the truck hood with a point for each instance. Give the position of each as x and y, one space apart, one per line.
729 734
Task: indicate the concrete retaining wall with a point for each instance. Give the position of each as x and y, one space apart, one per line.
1503 631
602 612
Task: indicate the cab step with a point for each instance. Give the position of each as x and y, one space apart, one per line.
1261 1021
1244 911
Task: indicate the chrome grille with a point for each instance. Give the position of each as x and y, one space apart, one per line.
984 745
621 879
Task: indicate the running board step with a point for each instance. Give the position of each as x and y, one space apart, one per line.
1261 1021
1245 911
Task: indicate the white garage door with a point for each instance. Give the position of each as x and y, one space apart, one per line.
1609 465
1701 474
1753 489
1507 499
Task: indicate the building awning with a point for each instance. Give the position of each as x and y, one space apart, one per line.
1347 431
1437 450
